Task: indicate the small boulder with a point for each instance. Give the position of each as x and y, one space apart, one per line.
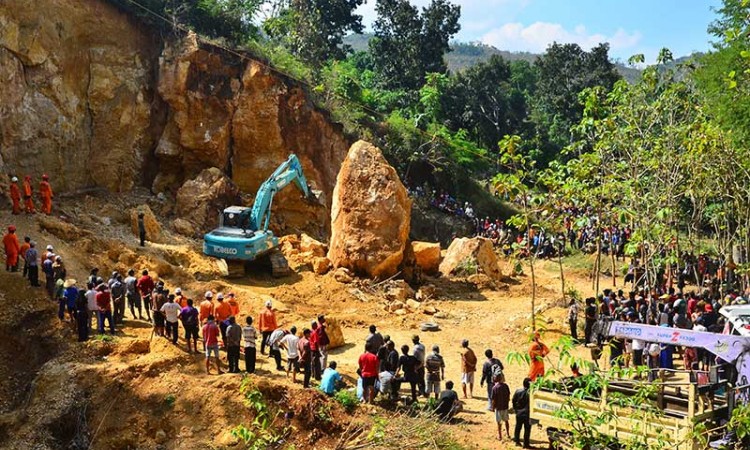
413 305
427 255
308 244
430 310
400 312
321 265
399 290
395 306
370 215
153 227
184 227
469 256
203 198
342 275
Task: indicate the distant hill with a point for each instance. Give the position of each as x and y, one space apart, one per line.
467 54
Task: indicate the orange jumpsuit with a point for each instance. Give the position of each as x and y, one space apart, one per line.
267 320
45 191
12 249
235 306
27 195
15 197
537 352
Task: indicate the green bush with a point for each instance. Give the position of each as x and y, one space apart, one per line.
347 398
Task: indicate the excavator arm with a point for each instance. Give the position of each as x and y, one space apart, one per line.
290 171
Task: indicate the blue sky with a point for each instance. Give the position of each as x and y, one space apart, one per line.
630 26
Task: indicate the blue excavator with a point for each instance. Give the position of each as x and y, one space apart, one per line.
243 234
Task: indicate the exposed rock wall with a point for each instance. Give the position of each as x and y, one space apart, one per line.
94 98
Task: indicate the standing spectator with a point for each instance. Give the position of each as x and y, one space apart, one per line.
374 340
104 305
523 419
491 368
323 340
368 367
250 335
233 304
407 365
234 340
179 298
141 229
189 317
32 260
331 380
590 313
435 367
305 356
274 350
573 319
289 343
117 288
145 285
131 293
418 351
211 344
206 307
12 249
468 367
267 325
500 401
49 275
314 353
537 352
22 253
171 311
93 309
222 313
70 294
82 316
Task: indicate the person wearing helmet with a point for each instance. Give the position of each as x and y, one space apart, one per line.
206 308
28 192
45 191
12 249
15 195
222 313
267 324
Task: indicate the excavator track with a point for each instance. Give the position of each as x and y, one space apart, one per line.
279 264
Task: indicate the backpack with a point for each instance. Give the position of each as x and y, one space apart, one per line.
496 369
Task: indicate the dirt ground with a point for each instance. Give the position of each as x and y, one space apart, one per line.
139 391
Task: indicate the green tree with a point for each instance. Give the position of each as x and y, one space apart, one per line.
408 45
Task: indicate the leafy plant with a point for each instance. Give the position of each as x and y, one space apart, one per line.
347 398
169 400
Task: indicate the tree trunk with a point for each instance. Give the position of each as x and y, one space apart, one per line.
562 275
533 294
614 271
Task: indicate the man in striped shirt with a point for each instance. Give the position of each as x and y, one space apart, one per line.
250 334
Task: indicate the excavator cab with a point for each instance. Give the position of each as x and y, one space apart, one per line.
236 217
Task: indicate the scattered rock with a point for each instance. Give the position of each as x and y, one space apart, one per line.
430 310
482 281
399 290
413 304
400 312
321 265
343 275
370 214
427 255
184 227
308 244
441 315
426 292
160 437
63 230
468 256
153 228
134 347
395 306
201 200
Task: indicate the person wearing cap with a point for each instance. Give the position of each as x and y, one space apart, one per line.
12 249
145 285
232 302
179 298
537 352
222 313
45 192
435 368
267 324
468 368
22 253
15 195
32 261
28 193
206 307
49 275
49 251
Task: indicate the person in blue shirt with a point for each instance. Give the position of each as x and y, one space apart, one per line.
331 379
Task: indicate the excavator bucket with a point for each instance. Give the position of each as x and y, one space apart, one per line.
316 197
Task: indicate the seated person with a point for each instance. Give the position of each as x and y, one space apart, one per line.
331 380
448 404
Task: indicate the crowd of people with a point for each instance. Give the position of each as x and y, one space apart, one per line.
383 370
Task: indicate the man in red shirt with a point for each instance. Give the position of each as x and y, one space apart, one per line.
368 370
145 285
104 302
211 343
305 356
314 353
323 341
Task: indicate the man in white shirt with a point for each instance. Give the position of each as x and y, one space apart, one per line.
250 334
93 309
171 311
289 342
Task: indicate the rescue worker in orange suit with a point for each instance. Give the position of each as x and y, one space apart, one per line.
45 191
15 195
12 249
27 195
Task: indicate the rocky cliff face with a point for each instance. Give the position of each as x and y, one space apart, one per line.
96 99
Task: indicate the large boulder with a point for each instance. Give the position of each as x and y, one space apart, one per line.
370 214
335 333
154 231
201 200
427 255
468 256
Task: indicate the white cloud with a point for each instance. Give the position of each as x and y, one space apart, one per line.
539 35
